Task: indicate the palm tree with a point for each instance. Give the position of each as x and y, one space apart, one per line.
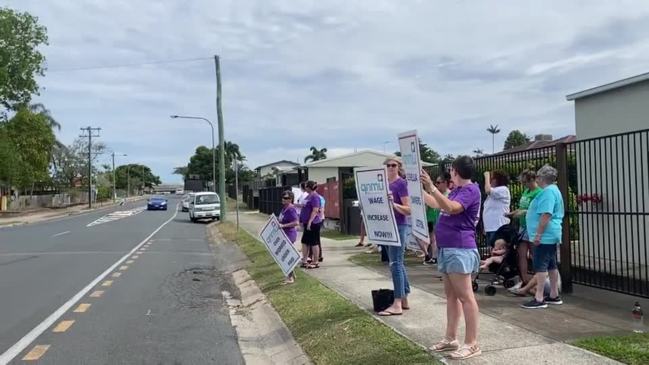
233 152
316 154
478 152
493 129
39 108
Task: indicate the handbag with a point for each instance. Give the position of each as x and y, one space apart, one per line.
382 299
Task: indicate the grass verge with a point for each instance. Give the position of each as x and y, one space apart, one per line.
336 235
632 349
373 260
329 328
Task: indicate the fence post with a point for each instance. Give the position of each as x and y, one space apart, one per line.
565 266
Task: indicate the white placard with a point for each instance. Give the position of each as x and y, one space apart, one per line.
372 187
409 147
279 245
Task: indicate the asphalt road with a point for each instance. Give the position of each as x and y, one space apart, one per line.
118 286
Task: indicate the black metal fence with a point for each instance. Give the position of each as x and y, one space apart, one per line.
270 200
608 241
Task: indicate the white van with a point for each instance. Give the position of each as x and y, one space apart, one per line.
204 205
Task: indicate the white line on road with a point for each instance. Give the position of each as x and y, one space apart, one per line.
60 234
22 344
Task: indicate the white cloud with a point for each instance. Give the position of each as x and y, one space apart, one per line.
333 74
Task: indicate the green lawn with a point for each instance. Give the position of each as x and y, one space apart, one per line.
337 235
374 259
329 328
631 349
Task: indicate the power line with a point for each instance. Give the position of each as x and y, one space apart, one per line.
127 65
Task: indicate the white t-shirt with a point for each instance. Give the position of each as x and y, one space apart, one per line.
495 207
300 198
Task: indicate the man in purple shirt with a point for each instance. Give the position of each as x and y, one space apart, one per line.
458 255
311 221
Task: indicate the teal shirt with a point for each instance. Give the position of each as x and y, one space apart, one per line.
548 201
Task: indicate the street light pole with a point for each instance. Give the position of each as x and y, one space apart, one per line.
236 189
128 181
213 149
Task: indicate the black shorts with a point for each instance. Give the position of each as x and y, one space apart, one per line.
431 226
311 237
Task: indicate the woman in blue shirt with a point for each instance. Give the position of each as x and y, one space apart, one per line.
544 218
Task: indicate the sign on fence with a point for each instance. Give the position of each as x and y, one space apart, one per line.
279 245
409 147
373 188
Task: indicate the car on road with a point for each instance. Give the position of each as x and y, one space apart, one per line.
185 202
180 191
204 205
156 203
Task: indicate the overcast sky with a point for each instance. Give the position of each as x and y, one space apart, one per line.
335 74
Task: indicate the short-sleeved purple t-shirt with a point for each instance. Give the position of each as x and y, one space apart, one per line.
458 231
399 190
312 202
289 215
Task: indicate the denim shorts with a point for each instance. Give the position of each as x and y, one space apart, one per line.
544 257
458 260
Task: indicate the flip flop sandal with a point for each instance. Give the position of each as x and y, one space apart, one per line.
466 352
388 313
313 266
445 345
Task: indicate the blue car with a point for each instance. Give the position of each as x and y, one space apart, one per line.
156 203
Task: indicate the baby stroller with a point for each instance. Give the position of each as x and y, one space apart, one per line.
504 273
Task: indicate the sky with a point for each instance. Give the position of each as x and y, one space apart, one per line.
336 74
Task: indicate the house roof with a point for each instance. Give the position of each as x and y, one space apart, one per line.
537 144
277 163
347 160
608 87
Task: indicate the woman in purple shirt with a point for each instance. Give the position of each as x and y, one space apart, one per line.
310 220
401 204
458 255
288 221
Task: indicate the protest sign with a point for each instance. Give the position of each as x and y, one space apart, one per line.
279 245
373 188
409 147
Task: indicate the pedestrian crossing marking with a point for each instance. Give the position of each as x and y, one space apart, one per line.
110 217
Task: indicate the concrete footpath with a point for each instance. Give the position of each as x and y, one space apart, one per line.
45 214
508 334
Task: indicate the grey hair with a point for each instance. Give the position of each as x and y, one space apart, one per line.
548 174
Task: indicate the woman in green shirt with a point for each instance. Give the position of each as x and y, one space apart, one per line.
532 189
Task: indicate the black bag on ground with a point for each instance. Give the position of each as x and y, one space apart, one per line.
382 299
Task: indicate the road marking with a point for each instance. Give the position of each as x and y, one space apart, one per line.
122 268
116 215
116 274
27 339
135 256
63 326
82 308
130 261
107 283
97 294
36 353
60 234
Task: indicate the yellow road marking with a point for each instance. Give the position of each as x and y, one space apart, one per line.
134 256
122 268
63 326
97 294
117 274
130 261
82 308
36 353
107 283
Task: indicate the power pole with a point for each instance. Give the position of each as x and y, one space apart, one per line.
114 181
236 189
90 132
219 113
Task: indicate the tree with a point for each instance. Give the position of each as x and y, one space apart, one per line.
426 153
181 170
316 154
21 61
135 176
478 152
516 138
493 129
33 139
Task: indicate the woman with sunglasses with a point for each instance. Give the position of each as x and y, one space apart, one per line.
401 204
458 255
288 222
310 219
